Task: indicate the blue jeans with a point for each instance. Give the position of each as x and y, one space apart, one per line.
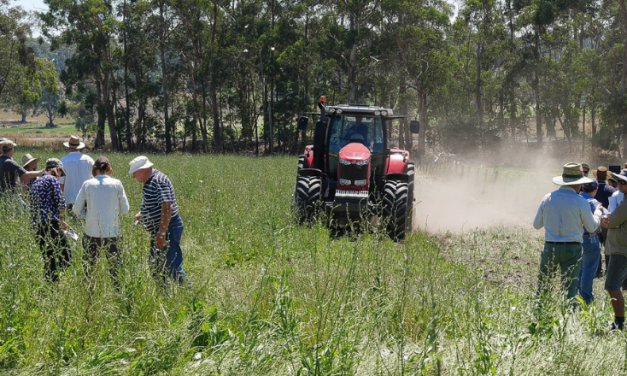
169 260
589 265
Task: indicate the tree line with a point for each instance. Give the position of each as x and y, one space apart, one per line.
221 76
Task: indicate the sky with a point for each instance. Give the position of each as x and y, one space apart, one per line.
36 5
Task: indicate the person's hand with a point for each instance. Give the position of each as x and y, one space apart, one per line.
138 216
160 241
605 221
64 226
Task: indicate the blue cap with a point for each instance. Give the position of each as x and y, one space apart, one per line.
589 187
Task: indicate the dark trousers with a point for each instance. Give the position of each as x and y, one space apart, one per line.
92 248
54 245
602 236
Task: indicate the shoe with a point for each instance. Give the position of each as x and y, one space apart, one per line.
616 326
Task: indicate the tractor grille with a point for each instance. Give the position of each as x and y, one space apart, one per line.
354 172
340 193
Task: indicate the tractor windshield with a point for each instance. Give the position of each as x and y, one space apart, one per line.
349 128
345 129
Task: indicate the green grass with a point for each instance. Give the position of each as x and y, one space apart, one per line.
270 297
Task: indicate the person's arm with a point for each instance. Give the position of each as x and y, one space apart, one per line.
81 200
538 221
166 216
25 176
124 206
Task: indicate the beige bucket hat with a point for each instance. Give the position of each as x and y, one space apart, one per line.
572 175
74 143
28 159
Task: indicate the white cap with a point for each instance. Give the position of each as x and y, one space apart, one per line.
139 163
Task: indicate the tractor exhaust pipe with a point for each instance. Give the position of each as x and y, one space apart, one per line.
319 136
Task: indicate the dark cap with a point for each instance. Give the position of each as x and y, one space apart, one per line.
101 161
590 187
55 163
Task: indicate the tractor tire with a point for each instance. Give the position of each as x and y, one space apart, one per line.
410 170
396 208
307 197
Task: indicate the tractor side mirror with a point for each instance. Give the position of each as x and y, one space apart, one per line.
302 123
414 126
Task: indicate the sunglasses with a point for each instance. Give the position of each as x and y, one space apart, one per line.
585 172
622 182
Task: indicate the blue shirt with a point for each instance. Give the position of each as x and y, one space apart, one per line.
47 200
593 205
563 214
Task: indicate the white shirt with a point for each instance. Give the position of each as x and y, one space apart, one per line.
105 199
77 168
615 199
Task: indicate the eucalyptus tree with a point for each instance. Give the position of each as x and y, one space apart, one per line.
90 26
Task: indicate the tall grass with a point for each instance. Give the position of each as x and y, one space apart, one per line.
270 297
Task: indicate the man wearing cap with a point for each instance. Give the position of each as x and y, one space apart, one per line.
160 216
77 169
616 248
10 171
591 246
564 214
47 215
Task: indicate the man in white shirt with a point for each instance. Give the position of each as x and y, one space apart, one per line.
77 169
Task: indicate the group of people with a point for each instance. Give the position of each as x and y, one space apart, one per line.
579 218
78 189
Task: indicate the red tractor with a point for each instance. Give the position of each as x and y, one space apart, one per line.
351 171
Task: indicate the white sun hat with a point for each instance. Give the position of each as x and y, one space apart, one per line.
139 163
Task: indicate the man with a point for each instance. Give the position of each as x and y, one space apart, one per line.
586 169
616 247
77 169
160 216
564 214
2 139
10 171
591 246
603 196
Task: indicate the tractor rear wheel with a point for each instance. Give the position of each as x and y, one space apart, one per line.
307 196
396 208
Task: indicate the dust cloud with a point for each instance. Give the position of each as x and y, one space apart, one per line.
451 198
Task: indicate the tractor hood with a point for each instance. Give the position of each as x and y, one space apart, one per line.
354 152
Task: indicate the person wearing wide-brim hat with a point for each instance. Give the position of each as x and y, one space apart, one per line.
616 248
30 164
564 214
78 168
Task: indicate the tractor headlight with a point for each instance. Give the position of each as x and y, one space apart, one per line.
362 163
361 183
345 182
339 111
345 162
377 113
384 113
331 110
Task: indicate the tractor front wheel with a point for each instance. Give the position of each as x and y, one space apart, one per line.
307 196
396 208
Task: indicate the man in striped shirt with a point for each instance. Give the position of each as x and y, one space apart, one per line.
159 214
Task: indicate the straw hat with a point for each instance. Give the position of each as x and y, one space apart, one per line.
571 175
139 163
74 143
28 159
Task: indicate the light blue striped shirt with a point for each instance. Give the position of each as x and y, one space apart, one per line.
563 214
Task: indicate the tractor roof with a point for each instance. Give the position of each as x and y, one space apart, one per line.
360 109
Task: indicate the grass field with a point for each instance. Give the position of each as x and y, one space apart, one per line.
270 297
